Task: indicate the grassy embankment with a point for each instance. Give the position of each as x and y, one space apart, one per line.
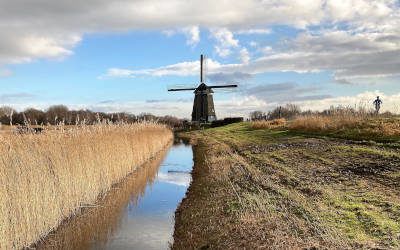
291 186
48 177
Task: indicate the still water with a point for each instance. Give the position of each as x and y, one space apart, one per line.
138 213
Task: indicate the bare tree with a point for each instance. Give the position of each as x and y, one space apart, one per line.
57 113
8 112
288 111
35 116
257 115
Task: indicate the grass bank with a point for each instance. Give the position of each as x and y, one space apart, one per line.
48 177
282 189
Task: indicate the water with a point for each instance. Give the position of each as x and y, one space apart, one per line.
136 214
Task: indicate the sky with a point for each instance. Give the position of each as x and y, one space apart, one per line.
123 55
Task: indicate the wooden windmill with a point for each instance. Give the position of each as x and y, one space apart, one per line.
203 104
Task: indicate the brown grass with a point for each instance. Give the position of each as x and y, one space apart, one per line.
325 123
276 123
350 126
46 178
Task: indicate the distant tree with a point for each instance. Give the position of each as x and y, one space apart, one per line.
6 115
19 118
288 111
171 121
147 117
60 113
57 113
257 115
35 116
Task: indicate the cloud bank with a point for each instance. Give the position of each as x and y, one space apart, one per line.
355 38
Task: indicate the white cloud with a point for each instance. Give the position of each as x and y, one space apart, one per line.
253 32
169 33
116 72
253 43
244 56
51 29
267 50
179 69
346 64
193 35
225 41
362 38
368 46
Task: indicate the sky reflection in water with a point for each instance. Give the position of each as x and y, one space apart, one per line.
137 214
149 224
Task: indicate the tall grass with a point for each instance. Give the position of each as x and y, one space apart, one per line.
315 123
46 178
269 124
349 125
99 222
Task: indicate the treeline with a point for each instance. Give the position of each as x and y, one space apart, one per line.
290 111
60 114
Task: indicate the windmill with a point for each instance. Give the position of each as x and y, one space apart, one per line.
203 104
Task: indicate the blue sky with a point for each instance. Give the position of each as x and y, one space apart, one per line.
122 56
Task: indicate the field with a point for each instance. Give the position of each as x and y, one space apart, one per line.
294 185
48 177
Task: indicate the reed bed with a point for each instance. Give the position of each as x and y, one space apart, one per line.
314 123
48 177
270 124
349 126
99 222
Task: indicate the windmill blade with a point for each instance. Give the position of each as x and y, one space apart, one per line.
223 86
182 89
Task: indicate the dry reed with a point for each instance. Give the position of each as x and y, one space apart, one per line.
313 123
355 126
99 222
46 178
276 123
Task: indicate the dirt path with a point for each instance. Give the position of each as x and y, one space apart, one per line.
289 193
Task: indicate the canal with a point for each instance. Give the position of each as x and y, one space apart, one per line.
137 213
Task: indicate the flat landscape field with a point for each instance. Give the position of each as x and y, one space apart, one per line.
282 187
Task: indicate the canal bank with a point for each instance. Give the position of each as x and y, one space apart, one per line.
273 189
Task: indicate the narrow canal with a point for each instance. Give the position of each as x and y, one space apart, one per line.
138 213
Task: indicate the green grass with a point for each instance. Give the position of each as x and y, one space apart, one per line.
240 133
361 218
315 187
357 150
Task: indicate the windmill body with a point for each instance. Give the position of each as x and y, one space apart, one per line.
203 104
